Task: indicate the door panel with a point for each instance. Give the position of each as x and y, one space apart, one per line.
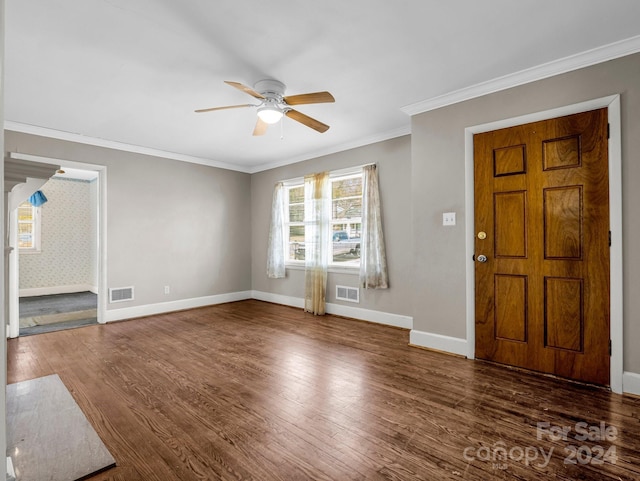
511 307
563 221
563 316
541 197
510 217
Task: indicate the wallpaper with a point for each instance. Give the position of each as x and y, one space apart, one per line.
69 238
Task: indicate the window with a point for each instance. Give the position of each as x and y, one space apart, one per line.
294 229
28 228
346 220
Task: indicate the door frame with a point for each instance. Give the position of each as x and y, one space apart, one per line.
612 102
101 170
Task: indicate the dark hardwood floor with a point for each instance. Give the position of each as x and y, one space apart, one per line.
256 391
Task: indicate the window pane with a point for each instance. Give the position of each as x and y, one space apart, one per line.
346 243
347 188
346 250
25 212
25 236
347 208
295 233
296 242
296 213
296 195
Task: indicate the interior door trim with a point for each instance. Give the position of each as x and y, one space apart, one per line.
612 102
102 226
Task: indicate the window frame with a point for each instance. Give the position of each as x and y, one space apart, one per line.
36 231
299 182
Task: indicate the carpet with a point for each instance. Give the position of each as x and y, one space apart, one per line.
48 436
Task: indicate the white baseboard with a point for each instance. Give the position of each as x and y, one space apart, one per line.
379 317
631 383
453 345
163 307
278 299
48 291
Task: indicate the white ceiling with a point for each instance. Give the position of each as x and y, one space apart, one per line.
130 73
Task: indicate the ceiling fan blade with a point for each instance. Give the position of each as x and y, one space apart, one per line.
261 127
306 120
224 108
312 98
245 89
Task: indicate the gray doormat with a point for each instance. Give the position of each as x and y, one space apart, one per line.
58 326
57 303
41 314
48 436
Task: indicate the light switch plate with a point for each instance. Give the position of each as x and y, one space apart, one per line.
449 218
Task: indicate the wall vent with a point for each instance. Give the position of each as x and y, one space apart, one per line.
350 294
120 294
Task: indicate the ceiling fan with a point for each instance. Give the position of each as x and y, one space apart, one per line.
274 104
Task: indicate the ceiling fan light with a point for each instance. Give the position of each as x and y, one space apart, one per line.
269 114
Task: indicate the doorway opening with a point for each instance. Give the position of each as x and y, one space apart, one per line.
615 217
542 256
58 255
59 283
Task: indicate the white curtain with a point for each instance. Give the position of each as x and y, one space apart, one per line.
373 259
276 250
317 216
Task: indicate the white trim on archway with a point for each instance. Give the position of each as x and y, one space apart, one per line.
102 234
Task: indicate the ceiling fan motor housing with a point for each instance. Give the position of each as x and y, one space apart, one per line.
270 88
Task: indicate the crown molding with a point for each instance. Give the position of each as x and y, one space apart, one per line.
372 139
110 144
567 64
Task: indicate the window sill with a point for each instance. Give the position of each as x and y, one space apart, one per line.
334 269
29 251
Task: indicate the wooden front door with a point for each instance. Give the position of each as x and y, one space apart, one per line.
542 246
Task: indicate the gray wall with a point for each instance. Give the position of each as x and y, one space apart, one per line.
394 169
438 186
169 223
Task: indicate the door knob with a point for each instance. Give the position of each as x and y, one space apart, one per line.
481 258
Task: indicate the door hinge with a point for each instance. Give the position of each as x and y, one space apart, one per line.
609 238
609 347
608 131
